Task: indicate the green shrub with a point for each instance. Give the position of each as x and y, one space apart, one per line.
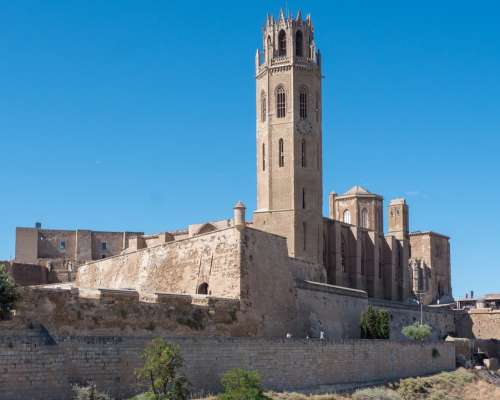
89 392
378 393
8 293
375 324
162 362
417 331
239 384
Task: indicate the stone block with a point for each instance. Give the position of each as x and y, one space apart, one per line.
491 363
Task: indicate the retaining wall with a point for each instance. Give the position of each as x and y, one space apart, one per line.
36 365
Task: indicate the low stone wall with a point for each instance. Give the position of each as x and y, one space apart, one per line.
36 365
440 319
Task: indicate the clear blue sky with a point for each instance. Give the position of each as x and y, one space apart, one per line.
139 115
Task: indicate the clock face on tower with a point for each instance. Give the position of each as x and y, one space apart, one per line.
304 127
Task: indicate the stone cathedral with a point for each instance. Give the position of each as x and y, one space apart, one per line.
290 268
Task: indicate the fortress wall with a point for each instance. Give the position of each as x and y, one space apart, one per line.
334 310
478 324
41 367
174 267
440 319
27 274
112 312
268 292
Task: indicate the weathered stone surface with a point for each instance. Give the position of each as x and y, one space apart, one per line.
36 366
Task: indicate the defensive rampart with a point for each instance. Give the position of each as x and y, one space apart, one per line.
36 365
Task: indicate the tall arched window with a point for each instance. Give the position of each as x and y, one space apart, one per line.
303 103
281 153
299 44
347 217
282 44
263 108
280 102
303 153
342 254
364 218
263 157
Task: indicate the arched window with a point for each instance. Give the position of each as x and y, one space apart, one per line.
347 217
282 44
364 218
303 198
203 288
299 44
280 102
263 109
303 153
281 153
263 157
303 103
342 254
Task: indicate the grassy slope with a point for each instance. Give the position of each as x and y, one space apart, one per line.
458 385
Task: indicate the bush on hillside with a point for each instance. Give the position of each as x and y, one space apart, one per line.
8 293
417 331
375 324
239 384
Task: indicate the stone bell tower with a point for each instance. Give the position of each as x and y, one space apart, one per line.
289 136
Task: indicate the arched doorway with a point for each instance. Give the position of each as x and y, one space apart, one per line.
203 288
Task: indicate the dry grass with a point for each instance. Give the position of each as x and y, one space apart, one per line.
458 385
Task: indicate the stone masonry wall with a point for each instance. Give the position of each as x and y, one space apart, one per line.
38 366
441 320
478 324
114 312
176 267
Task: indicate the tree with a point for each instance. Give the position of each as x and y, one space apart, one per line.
162 362
375 324
240 384
8 293
417 331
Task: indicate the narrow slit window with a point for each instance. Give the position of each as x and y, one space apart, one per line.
303 103
304 232
263 109
303 154
263 157
281 153
303 198
342 254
